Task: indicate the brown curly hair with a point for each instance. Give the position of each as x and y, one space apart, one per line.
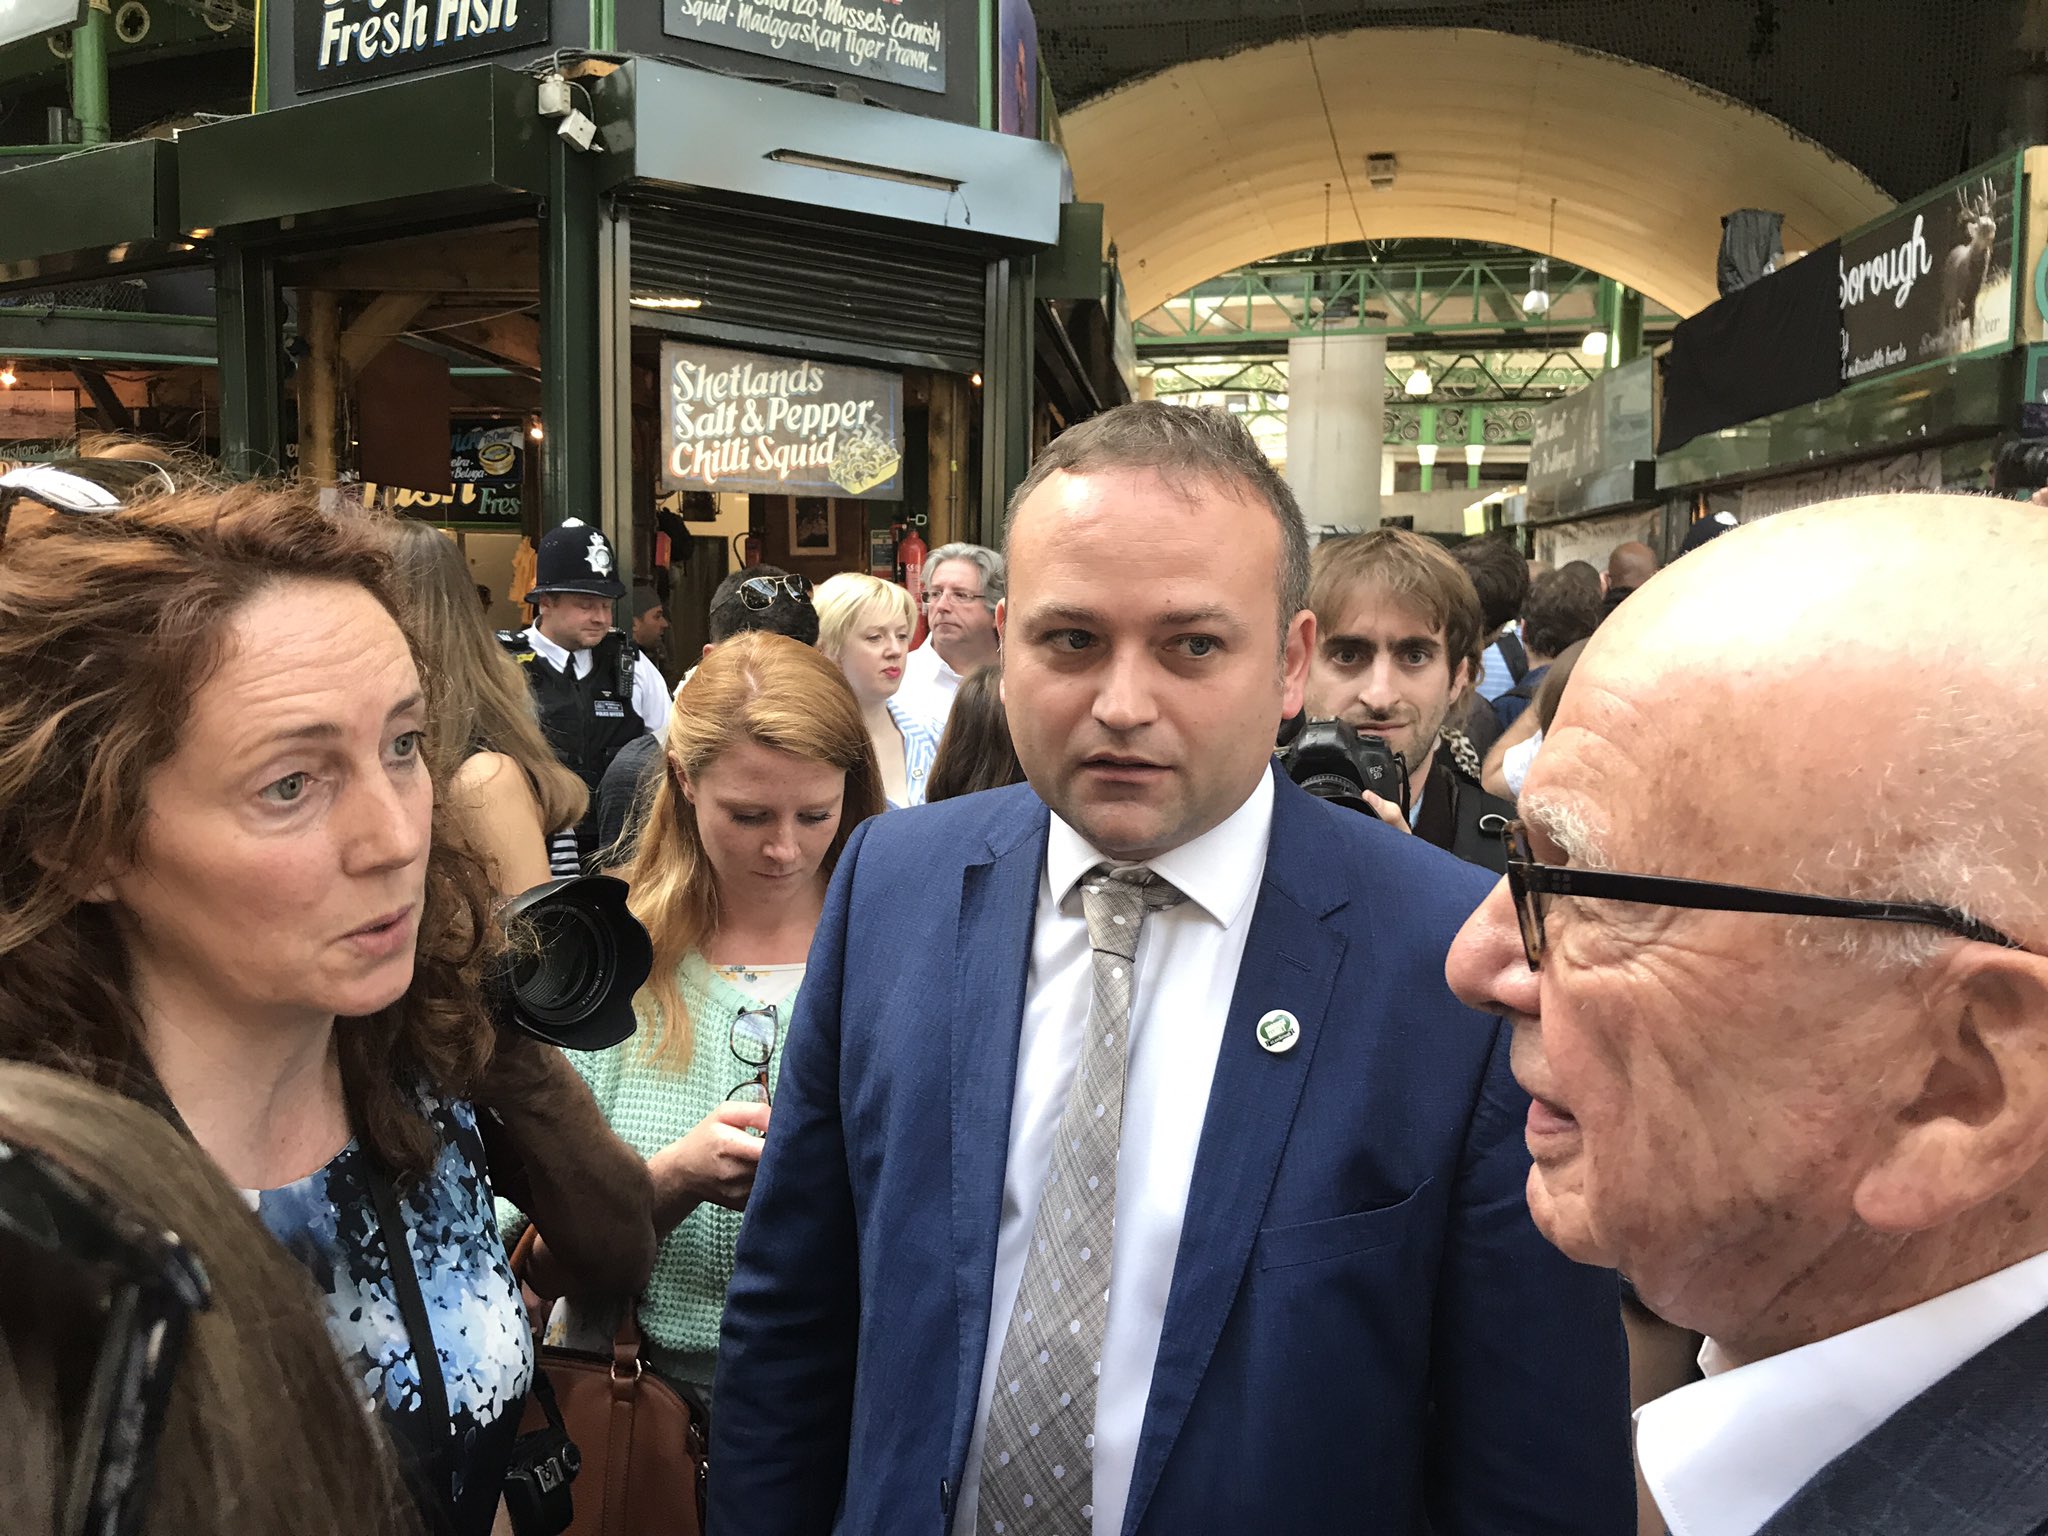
108 628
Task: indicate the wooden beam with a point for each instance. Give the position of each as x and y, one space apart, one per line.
498 263
319 386
381 323
510 341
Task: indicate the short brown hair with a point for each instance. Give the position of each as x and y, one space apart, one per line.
1415 570
108 628
1562 609
1181 442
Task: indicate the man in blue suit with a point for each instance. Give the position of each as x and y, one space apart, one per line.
1132 1170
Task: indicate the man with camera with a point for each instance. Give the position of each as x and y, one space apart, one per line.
1398 633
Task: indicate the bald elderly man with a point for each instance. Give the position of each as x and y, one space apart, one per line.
1628 567
1805 1107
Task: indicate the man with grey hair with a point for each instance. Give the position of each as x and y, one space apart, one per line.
1171 1191
1787 1033
963 584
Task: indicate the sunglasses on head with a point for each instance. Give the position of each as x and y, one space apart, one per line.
153 1284
759 592
81 487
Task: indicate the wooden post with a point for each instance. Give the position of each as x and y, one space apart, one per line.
320 388
947 445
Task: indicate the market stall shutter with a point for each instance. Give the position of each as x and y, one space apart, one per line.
779 280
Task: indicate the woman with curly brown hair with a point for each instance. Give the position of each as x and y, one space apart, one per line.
225 889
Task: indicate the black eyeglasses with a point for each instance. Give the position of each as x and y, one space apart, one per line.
758 592
81 487
154 1286
755 1032
1530 882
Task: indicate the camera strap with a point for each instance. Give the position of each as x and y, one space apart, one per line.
405 1280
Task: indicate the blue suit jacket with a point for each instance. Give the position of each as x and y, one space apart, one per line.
1364 1327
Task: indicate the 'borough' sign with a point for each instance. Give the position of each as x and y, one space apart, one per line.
738 421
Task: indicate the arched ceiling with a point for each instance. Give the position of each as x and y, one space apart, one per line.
1214 164
1911 92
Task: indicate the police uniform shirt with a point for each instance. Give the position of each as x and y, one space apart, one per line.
650 693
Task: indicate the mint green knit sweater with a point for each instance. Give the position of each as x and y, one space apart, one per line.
650 1105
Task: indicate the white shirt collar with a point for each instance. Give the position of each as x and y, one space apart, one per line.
940 666
1218 871
550 652
1725 1454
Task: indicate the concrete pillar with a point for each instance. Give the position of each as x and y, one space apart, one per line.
1336 410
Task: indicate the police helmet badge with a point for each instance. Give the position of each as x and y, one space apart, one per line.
599 556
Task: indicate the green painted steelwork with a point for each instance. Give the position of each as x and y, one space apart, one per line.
571 456
1074 269
1006 394
986 117
89 211
437 145
89 76
111 336
251 321
1463 376
1945 402
665 123
1276 302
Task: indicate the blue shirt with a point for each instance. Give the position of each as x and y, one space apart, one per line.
920 747
1495 677
1509 706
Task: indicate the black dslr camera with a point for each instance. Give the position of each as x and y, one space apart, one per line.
544 1463
1331 760
575 958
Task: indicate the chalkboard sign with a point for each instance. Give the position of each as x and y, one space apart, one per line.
902 41
345 42
737 421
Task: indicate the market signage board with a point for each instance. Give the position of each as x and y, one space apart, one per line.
346 42
739 421
1932 281
1609 423
901 41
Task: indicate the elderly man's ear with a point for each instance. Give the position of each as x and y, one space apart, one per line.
1978 1122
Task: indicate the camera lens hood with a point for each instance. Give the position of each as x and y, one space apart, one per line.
575 957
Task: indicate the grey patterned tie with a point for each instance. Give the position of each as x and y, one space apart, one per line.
1038 1458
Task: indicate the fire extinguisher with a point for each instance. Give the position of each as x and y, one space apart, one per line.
910 553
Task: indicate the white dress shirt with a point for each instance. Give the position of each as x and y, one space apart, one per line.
1725 1454
650 692
1186 965
929 685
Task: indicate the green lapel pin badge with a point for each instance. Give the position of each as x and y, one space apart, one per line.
1279 1030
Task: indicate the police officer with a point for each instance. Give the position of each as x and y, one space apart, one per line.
594 691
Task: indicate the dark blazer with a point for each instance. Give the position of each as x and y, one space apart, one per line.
1364 1329
1967 1457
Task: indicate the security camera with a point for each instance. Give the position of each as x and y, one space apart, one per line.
578 129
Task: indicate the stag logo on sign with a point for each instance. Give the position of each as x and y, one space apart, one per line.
1893 272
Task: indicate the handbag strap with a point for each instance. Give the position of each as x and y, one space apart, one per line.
412 1306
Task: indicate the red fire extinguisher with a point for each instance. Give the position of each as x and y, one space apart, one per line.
910 555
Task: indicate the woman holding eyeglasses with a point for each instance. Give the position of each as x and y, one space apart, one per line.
864 626
768 772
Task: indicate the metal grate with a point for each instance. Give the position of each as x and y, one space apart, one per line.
1909 91
879 295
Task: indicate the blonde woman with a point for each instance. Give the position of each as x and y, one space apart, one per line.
518 804
864 628
769 771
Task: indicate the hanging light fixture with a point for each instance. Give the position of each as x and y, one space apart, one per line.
1425 455
1475 454
1537 300
1595 344
1419 382
7 376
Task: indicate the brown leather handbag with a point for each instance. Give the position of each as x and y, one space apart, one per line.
644 1440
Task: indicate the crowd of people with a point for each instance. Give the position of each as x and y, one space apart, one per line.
1041 1115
